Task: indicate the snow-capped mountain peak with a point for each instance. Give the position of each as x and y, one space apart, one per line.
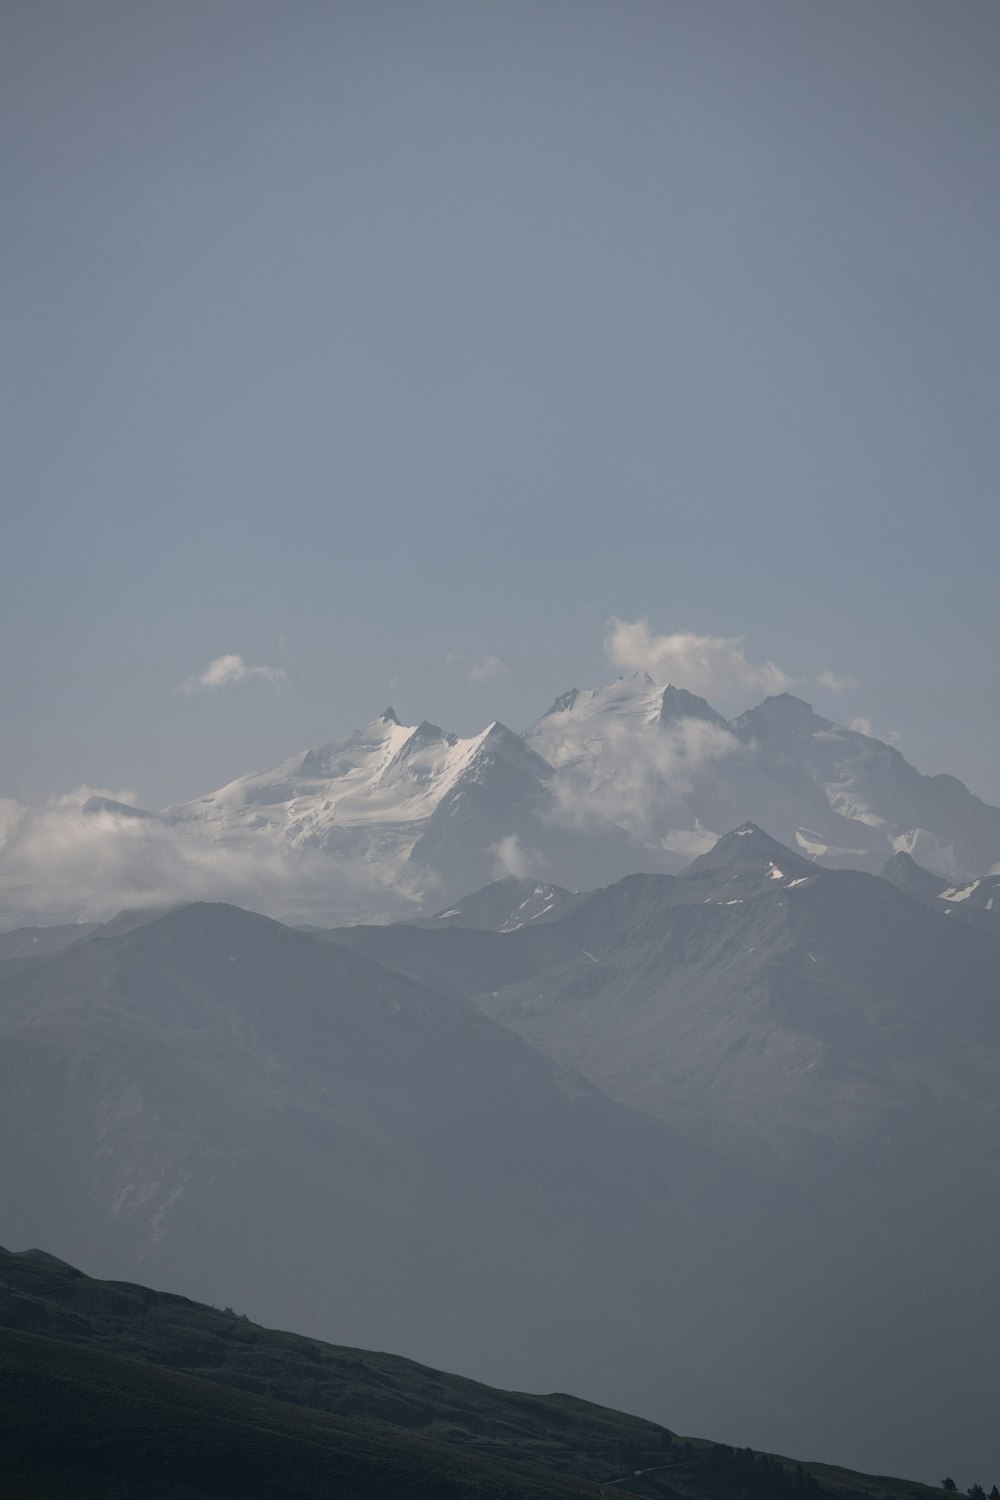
629 776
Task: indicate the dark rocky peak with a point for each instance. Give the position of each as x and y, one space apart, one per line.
504 743
906 875
563 703
747 848
427 733
390 717
781 717
678 704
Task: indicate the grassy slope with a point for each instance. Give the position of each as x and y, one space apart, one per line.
76 1421
291 1402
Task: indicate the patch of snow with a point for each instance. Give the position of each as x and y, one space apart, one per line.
801 881
989 904
959 895
593 960
777 874
453 913
844 799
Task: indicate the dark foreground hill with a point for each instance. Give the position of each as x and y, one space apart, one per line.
241 1410
99 1427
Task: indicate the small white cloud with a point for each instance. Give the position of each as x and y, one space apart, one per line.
486 668
710 665
226 670
511 858
864 726
835 684
482 669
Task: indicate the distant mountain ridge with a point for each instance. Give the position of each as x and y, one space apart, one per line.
222 1104
331 1135
816 1025
627 777
975 901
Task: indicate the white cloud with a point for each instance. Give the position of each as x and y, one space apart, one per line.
864 726
835 684
483 668
225 670
712 666
486 668
511 858
59 862
636 775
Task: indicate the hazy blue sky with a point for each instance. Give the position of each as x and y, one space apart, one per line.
372 341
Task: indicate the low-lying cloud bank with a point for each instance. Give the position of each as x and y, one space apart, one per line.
76 858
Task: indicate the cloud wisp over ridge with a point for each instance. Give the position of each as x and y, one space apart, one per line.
712 666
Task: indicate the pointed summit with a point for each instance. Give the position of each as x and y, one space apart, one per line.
912 879
389 716
563 703
678 704
780 717
749 849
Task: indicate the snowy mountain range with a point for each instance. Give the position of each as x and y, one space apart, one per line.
629 777
400 821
